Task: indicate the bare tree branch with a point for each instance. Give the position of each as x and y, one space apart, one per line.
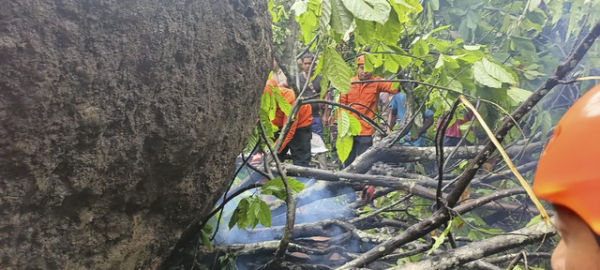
483 248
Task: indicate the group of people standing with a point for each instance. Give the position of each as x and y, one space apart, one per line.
366 92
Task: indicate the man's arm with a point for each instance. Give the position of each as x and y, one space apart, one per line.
387 87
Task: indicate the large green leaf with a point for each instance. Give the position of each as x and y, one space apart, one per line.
373 61
239 215
402 60
390 64
341 18
389 32
299 7
498 72
343 124
482 77
253 211
308 24
369 10
336 70
412 5
325 18
420 48
355 126
264 216
518 95
283 105
276 188
344 146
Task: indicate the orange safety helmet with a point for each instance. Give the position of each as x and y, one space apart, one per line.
568 173
360 60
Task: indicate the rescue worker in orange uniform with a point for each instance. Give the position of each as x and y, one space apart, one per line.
363 97
298 138
568 176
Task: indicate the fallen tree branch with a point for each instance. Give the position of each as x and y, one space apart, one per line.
416 187
492 177
481 265
399 154
483 248
532 255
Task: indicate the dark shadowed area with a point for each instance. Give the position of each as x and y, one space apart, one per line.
119 123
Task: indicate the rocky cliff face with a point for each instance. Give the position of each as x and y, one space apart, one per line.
119 123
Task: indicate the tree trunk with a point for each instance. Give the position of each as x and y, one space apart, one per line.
120 122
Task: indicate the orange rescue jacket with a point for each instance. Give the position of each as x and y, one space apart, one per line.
303 118
366 94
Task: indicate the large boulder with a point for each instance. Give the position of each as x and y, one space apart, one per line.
119 123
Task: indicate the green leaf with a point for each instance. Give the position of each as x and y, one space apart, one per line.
264 119
264 216
472 47
239 215
295 185
343 124
391 65
336 70
403 60
299 7
420 48
341 18
265 102
344 146
435 4
389 32
355 126
498 72
522 45
533 4
308 24
482 77
412 5
252 141
518 95
283 105
276 188
325 18
369 10
455 85
440 239
534 220
206 231
373 61
252 214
